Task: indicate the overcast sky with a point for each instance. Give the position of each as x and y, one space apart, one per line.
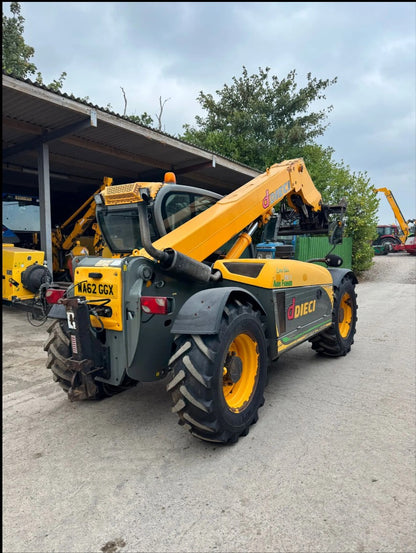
177 49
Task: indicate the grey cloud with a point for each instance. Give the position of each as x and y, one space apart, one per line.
176 49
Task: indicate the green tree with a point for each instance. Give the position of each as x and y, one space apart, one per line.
56 85
143 119
260 119
16 54
335 181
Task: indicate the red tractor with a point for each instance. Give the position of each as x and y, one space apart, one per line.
388 237
393 238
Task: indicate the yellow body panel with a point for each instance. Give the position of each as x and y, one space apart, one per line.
276 273
108 286
15 261
281 274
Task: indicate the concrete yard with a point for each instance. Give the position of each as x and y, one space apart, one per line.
329 467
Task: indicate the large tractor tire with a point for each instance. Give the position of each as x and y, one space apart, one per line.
337 339
59 351
218 381
389 243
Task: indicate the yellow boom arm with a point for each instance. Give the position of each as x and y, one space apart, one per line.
62 243
84 222
201 236
397 213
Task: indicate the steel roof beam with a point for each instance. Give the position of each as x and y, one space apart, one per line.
52 135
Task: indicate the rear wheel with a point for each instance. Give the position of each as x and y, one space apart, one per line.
389 243
59 352
218 380
337 339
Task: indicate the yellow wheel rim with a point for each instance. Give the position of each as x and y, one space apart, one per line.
239 383
345 315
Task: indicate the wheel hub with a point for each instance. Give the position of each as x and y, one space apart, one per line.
234 367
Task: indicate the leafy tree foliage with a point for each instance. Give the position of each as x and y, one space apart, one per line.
144 119
16 54
260 119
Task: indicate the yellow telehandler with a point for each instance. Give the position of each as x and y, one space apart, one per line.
186 300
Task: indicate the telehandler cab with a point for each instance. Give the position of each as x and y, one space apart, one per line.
179 299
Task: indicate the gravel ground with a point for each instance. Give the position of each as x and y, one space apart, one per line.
393 267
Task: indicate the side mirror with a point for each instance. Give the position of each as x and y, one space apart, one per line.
333 260
336 232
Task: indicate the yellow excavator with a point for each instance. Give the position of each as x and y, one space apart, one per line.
186 300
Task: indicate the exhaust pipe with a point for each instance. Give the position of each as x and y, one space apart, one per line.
170 259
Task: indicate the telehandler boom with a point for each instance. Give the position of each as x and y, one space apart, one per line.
389 236
181 300
404 225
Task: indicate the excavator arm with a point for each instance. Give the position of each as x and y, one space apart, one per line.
85 221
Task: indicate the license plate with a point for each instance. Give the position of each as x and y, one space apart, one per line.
98 289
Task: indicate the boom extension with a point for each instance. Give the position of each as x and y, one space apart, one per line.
64 243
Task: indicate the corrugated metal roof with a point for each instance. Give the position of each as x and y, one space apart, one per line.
116 147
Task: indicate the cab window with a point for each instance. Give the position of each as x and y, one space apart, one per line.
179 207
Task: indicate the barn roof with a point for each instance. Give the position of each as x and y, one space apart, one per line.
87 142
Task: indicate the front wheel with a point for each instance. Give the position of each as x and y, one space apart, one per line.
337 339
218 380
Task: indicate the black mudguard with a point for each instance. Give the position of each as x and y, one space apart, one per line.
202 312
338 274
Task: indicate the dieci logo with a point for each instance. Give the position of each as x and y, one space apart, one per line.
294 311
270 199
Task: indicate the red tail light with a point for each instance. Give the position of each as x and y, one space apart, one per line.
52 295
155 305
